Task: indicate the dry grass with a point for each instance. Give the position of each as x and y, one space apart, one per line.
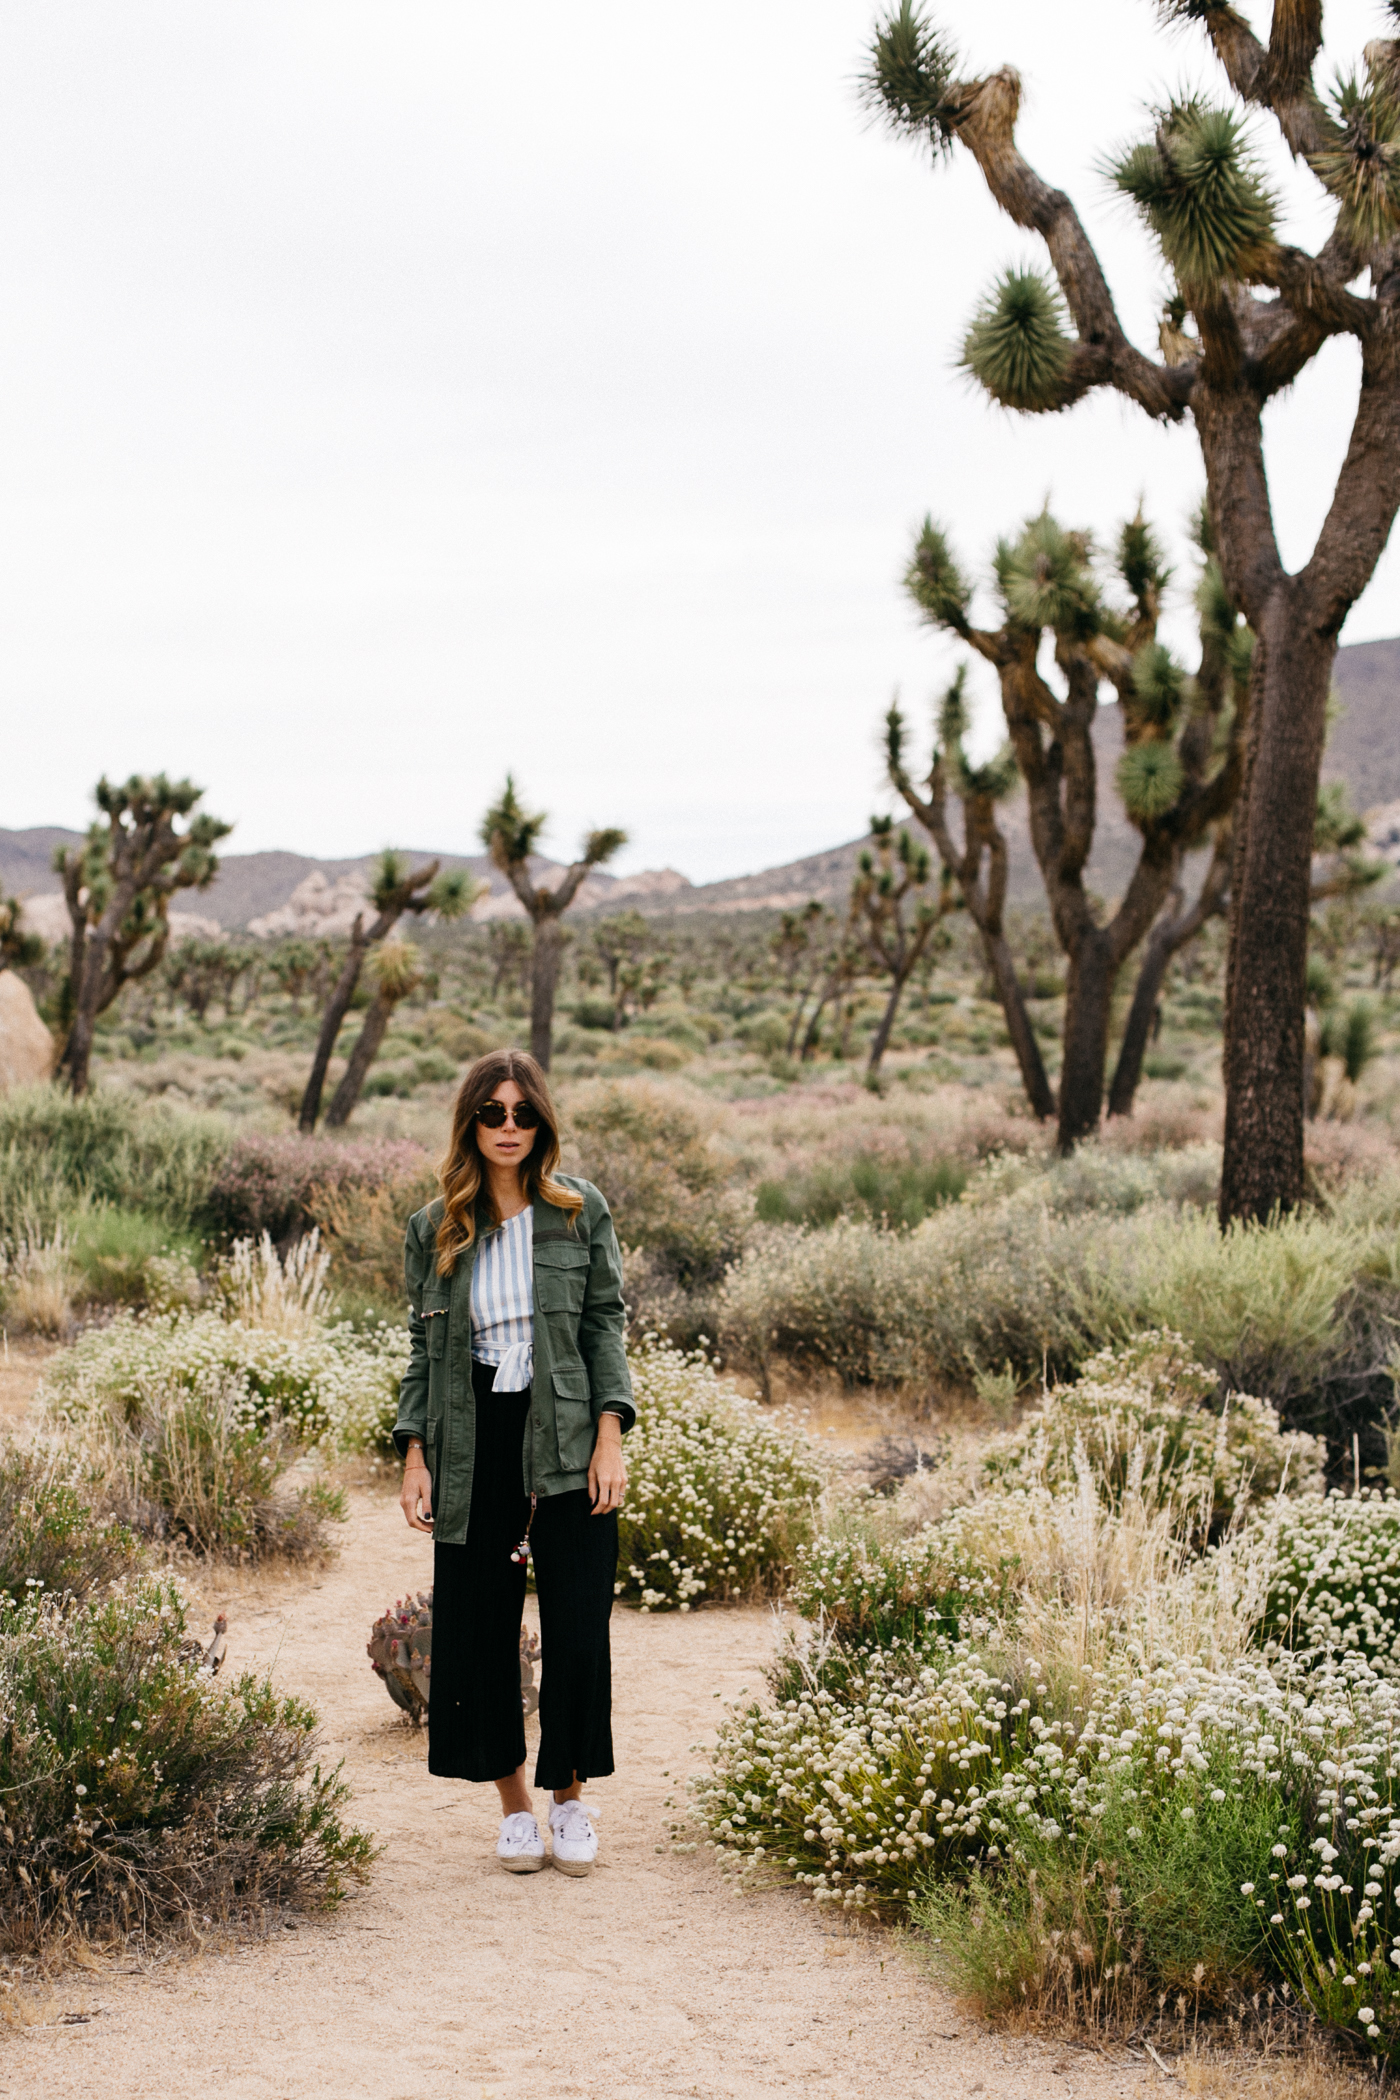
1313 2074
37 1285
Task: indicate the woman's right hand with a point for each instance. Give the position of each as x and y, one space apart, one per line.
417 1490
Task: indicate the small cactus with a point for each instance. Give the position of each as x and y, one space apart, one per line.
400 1651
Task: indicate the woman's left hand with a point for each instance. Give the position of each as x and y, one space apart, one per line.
607 1470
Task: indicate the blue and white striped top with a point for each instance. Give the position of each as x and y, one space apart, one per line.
503 1303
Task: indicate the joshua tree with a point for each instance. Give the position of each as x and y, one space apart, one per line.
620 942
1246 315
802 948
118 885
510 835
395 890
840 967
891 873
397 970
1178 774
18 950
979 865
508 943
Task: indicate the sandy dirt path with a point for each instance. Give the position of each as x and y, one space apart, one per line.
447 1977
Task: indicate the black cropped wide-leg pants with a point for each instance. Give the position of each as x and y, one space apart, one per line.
476 1725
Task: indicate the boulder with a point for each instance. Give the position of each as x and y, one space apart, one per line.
26 1047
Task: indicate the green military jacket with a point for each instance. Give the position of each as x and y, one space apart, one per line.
580 1354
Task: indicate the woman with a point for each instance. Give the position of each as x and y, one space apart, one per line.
511 1420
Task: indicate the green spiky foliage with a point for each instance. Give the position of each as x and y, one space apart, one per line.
1362 168
1141 562
1337 828
909 80
1201 194
1192 10
509 832
952 717
1150 780
1018 347
996 776
1158 687
18 950
1217 616
935 582
1046 579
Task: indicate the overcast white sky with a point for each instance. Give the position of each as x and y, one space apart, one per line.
393 394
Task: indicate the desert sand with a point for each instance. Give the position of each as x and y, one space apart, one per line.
445 1976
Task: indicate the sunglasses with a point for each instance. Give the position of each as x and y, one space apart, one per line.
493 1114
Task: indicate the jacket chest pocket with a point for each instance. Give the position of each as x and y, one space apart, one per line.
560 1277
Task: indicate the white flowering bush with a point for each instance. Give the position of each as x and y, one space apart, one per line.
1147 1419
720 1492
1335 1578
333 1383
1103 1771
968 1754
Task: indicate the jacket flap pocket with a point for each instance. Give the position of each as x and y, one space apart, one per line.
437 1295
561 1254
572 1383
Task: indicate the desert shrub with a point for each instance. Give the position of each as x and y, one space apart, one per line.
273 1184
139 1795
326 1381
55 1152
1100 1176
867 1591
969 1287
203 1465
867 1187
1334 1585
1268 1305
364 1226
1148 1420
923 1767
1098 1930
665 1187
128 1257
51 1539
720 1492
1002 1278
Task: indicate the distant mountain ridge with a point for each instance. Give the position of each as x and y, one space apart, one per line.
1363 752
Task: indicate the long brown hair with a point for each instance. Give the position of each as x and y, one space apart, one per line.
460 1174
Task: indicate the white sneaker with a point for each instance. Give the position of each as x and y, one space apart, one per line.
520 1848
575 1839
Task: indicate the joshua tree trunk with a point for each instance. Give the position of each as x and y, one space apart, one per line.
361 1058
1168 937
983 893
1093 972
544 979
337 1007
1002 966
1269 917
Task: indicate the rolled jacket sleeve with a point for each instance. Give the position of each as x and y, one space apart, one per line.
603 1327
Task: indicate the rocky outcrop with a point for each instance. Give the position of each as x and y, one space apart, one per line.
47 916
26 1047
318 909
